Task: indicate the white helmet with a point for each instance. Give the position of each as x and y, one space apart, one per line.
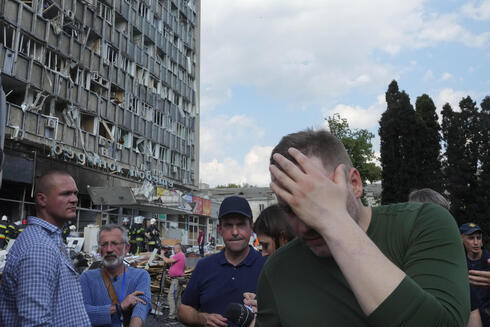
153 220
125 220
139 219
4 218
73 228
18 222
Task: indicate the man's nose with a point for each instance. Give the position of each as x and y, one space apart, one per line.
74 198
234 230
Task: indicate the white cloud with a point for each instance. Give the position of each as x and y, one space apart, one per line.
450 96
446 76
357 116
316 50
221 134
254 170
475 11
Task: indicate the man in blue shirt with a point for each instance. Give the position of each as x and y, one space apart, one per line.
476 259
116 294
222 278
40 286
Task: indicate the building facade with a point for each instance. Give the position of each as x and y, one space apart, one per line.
109 91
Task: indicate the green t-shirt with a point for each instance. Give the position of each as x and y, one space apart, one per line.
297 288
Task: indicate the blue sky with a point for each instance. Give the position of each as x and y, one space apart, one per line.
274 67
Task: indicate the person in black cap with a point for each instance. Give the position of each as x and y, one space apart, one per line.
223 278
477 260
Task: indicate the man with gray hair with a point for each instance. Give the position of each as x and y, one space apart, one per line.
115 293
425 195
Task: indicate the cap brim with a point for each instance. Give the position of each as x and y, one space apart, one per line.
246 215
472 230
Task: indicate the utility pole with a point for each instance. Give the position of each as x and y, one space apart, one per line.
3 118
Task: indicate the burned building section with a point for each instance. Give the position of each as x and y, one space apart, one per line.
105 89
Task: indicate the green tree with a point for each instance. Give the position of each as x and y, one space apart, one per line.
358 144
398 131
484 172
462 138
429 172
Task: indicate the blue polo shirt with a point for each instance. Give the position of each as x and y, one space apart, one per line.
215 283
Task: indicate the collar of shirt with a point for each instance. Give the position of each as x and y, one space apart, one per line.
248 261
53 231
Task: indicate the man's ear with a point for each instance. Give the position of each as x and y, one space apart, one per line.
41 199
356 182
219 229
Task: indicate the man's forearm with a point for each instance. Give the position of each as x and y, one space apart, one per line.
371 275
189 316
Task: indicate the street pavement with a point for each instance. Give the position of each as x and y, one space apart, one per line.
161 320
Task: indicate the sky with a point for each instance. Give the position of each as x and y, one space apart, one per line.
274 67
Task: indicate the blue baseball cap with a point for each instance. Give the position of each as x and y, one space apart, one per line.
235 204
469 228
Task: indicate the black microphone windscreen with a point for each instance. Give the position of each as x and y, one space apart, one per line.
239 314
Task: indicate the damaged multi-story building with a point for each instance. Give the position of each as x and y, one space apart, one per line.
109 91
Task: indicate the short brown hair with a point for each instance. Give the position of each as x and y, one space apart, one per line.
319 143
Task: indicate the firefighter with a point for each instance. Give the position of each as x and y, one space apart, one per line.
4 225
153 235
138 234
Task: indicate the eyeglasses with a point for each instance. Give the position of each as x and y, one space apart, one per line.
113 244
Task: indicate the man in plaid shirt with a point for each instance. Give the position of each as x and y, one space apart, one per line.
39 285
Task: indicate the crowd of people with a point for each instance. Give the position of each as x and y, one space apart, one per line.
327 259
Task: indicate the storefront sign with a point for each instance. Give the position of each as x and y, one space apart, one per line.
95 161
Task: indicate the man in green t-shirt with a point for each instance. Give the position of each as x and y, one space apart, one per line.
352 265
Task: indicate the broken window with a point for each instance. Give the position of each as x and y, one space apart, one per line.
106 129
125 138
142 9
110 54
87 123
60 110
133 104
117 94
158 118
164 154
98 84
7 36
93 42
80 76
139 144
30 48
137 36
128 65
55 62
50 9
147 112
104 12
120 23
34 100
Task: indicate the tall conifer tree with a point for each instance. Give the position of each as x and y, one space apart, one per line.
397 131
484 171
428 152
461 138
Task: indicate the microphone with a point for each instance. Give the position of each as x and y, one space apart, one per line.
239 314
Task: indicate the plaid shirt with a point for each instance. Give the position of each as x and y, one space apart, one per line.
39 285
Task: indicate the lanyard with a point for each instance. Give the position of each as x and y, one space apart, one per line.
121 297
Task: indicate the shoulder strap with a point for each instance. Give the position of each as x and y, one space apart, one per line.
109 286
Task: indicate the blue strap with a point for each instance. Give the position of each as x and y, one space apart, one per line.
121 297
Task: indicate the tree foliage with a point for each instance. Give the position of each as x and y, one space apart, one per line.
358 144
462 138
398 131
429 172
